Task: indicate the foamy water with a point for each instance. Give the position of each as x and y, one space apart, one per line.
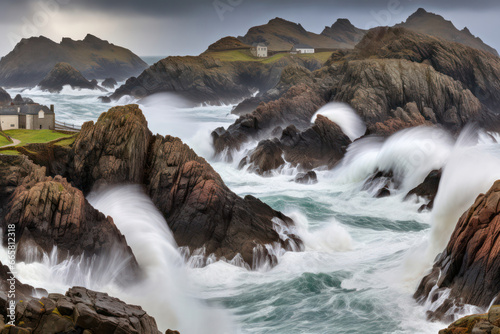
363 256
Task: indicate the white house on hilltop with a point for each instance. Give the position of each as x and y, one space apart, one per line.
302 48
259 50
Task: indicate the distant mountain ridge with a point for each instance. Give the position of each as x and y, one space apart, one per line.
33 58
282 35
435 25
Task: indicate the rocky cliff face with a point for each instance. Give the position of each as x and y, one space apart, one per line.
479 71
429 23
64 74
50 212
205 79
200 210
468 268
32 59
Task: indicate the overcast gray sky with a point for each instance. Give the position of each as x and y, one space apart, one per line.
187 27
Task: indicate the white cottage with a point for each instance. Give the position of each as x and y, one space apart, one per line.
259 50
29 116
302 48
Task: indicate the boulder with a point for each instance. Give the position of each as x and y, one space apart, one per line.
306 178
323 144
80 311
109 83
427 189
477 323
468 269
64 74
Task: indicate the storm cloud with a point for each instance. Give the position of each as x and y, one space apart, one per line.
166 27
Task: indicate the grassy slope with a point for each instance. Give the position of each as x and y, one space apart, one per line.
245 55
35 136
3 139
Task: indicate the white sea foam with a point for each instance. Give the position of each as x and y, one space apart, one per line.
345 117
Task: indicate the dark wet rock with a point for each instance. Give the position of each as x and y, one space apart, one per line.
201 211
64 74
109 83
33 58
105 99
323 144
380 183
306 178
4 97
468 267
427 189
296 106
50 212
9 285
199 208
80 311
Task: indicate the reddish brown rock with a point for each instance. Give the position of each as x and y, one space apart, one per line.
470 264
51 213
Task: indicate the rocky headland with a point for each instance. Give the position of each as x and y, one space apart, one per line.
64 74
33 58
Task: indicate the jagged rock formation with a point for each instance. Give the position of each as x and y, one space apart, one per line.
4 97
13 170
207 79
479 71
394 79
469 266
343 31
282 35
427 189
296 106
33 58
50 212
200 210
64 74
79 311
429 23
109 83
323 144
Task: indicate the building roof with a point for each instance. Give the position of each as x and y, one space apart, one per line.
302 46
259 45
28 109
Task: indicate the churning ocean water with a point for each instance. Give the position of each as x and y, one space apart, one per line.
363 258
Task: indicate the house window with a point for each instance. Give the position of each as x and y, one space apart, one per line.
12 125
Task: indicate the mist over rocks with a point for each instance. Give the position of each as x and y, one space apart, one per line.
64 74
198 207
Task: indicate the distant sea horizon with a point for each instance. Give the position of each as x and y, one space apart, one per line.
151 60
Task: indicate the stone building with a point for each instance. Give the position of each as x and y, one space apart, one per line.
259 50
28 116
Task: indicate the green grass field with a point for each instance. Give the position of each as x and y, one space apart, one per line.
9 152
35 136
3 140
245 55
